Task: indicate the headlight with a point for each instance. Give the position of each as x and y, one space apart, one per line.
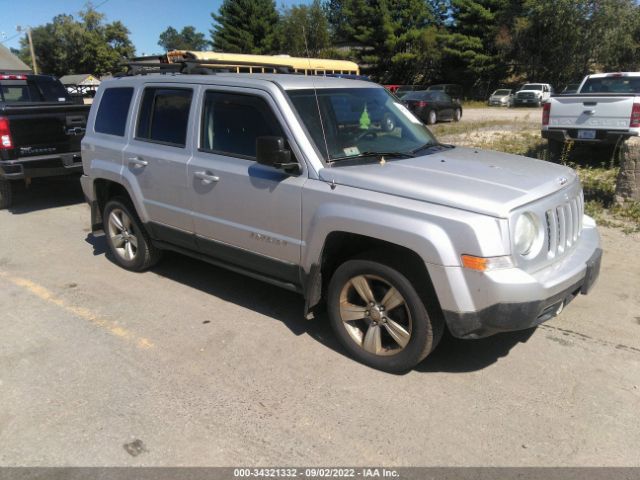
526 234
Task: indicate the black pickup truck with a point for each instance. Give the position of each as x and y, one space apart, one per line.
40 130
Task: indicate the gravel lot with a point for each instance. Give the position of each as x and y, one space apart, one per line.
192 365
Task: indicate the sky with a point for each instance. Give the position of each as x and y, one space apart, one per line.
145 19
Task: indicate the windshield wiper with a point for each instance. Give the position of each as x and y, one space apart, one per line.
375 154
426 146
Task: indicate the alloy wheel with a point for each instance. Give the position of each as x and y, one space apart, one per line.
122 234
375 315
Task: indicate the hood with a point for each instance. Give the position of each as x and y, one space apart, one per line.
482 181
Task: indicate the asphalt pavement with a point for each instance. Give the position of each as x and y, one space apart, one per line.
189 364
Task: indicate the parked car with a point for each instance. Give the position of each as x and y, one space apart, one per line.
399 235
604 111
433 106
40 131
502 97
571 88
401 89
532 94
453 90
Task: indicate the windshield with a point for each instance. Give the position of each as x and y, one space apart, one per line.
531 86
357 121
502 92
612 85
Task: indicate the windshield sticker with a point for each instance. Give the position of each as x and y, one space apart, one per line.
365 121
407 113
350 151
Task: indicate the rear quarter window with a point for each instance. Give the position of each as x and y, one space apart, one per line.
113 111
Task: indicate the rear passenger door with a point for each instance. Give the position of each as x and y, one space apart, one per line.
245 213
155 160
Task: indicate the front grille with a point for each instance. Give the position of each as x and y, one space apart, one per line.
564 225
524 95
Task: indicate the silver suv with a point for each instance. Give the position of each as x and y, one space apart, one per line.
332 188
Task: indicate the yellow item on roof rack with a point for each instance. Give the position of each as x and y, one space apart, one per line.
243 63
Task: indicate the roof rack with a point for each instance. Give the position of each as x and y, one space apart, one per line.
194 67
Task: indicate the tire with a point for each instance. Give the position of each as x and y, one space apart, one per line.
369 336
432 117
128 241
388 123
6 194
457 115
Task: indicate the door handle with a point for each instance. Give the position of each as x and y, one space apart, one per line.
137 161
206 177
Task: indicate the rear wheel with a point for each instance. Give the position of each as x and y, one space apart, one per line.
457 115
432 117
128 241
6 194
379 317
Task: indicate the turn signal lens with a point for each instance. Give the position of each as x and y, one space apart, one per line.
483 264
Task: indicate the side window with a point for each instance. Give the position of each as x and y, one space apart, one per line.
112 113
164 115
231 123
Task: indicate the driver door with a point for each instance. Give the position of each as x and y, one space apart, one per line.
244 213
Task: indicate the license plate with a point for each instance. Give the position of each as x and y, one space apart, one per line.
586 134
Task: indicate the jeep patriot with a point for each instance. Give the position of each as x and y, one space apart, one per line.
292 180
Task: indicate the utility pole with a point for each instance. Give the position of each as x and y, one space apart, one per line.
31 50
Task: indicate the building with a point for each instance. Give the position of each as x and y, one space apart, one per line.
9 63
81 85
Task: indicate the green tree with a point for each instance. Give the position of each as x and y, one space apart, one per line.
616 24
304 22
87 45
245 26
477 42
187 39
554 40
393 39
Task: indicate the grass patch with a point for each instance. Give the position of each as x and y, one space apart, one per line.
474 104
443 130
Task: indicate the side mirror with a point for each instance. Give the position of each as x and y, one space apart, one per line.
271 151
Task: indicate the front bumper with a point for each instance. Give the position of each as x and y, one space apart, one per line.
529 102
41 166
482 304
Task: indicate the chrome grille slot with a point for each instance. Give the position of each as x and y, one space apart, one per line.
564 225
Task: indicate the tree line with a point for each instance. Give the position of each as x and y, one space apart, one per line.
481 44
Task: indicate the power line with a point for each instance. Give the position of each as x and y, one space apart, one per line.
12 37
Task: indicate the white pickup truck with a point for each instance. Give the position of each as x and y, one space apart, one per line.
605 111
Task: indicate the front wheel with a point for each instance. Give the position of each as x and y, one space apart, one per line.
379 317
6 193
128 241
457 115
